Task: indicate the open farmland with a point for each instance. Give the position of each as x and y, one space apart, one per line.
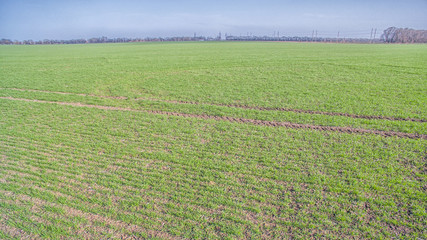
213 140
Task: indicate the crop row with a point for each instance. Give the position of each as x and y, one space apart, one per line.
190 177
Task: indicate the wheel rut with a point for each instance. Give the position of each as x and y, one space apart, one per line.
369 117
348 130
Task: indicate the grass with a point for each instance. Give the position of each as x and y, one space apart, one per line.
76 172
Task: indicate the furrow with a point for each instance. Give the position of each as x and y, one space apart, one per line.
130 173
91 217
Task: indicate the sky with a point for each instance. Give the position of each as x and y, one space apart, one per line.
74 19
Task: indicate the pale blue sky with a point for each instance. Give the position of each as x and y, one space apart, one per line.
56 19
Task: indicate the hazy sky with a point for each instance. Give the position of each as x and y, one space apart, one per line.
57 19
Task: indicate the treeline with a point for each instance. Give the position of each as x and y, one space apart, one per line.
390 35
182 39
302 39
106 40
404 35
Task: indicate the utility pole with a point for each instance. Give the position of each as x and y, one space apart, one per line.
338 36
316 35
375 33
312 36
372 31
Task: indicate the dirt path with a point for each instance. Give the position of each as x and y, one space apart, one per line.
234 106
242 120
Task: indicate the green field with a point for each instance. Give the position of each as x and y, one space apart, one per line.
228 140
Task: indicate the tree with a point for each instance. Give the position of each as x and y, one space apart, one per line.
6 41
404 35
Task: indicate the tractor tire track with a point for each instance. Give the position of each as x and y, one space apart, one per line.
348 130
299 111
369 117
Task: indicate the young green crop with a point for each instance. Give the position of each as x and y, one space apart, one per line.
386 80
202 178
79 172
218 110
